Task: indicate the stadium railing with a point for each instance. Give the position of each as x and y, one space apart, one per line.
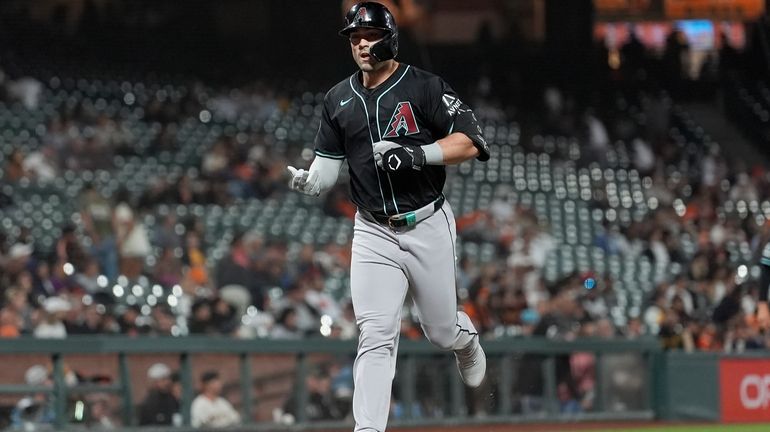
502 354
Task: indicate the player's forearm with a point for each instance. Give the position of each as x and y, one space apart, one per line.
328 170
457 148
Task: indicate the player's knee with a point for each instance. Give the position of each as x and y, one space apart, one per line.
373 336
441 337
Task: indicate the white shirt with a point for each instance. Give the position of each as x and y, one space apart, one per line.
217 413
46 330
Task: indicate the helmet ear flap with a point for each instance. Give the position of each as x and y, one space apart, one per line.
387 48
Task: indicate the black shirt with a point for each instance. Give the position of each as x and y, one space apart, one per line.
411 107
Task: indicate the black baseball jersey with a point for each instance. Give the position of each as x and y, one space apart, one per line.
411 107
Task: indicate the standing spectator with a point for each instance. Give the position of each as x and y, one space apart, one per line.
133 242
209 409
160 405
69 249
96 214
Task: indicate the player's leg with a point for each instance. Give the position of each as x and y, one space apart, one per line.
431 272
378 287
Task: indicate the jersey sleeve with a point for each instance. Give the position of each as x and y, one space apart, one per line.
449 114
764 276
328 141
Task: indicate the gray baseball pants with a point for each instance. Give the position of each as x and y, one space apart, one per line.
385 266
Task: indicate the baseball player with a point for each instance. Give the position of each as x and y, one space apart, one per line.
397 126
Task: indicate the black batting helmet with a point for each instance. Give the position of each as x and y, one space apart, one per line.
376 16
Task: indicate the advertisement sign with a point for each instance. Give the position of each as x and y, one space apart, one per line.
714 9
745 390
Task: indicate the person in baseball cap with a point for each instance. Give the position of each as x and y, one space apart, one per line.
160 404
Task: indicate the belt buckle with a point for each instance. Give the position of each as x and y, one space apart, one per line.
411 221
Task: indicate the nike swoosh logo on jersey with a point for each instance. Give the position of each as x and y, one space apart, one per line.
345 102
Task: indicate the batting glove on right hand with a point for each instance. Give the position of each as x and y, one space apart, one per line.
303 181
392 157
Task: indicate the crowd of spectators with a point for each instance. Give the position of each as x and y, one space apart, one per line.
69 290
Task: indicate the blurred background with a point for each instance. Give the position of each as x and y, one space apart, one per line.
144 210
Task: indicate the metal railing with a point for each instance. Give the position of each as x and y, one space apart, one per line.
502 354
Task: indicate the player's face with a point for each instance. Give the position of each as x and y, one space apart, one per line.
361 41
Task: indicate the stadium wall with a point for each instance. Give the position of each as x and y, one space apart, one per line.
260 375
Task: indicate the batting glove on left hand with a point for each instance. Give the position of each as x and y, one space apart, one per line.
303 181
392 157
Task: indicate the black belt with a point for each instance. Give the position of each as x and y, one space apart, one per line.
408 219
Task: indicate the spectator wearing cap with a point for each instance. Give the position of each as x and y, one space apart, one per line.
36 409
160 404
19 256
209 409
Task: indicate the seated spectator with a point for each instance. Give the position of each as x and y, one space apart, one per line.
160 405
89 321
168 269
286 325
87 278
52 325
195 259
14 166
209 409
36 410
223 316
10 324
320 403
17 301
201 318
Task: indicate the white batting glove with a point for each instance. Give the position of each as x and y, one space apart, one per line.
304 182
380 147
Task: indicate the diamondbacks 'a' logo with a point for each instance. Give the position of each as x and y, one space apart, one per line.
402 122
361 14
